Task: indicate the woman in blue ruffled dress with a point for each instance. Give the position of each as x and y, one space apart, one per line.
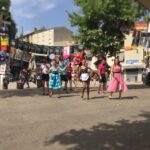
55 80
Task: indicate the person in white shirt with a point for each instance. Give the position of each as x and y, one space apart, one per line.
45 76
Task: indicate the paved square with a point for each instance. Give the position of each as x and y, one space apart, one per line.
29 121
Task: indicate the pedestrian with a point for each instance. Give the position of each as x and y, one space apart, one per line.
117 84
55 79
26 77
22 77
75 74
102 76
63 75
45 76
85 73
69 74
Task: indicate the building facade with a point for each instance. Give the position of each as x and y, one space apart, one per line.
136 48
59 36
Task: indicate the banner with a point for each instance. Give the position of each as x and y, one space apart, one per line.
66 52
4 43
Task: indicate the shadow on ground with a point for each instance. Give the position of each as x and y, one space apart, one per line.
124 135
140 86
19 93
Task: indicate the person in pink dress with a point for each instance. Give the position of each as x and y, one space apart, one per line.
117 84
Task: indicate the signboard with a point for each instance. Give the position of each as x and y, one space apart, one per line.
141 26
132 61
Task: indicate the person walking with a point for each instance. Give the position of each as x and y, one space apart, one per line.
117 84
26 77
55 79
85 72
45 76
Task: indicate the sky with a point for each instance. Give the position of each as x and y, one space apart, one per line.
29 14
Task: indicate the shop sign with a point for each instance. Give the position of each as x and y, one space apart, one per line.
132 61
141 25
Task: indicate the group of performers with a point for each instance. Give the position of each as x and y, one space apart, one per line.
66 71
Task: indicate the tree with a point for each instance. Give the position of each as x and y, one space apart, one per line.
6 15
101 23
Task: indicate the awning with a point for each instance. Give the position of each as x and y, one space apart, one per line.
145 3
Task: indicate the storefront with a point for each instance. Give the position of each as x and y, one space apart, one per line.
133 72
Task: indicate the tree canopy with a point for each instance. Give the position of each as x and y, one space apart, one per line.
101 23
6 15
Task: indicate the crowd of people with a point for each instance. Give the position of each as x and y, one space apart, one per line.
57 74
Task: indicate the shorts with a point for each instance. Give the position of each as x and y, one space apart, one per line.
45 77
64 78
103 79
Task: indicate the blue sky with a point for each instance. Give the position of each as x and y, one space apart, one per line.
38 13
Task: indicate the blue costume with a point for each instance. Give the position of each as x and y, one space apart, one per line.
55 81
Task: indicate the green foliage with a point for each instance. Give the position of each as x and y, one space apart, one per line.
101 23
7 17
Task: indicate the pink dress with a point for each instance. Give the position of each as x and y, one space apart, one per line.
117 83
